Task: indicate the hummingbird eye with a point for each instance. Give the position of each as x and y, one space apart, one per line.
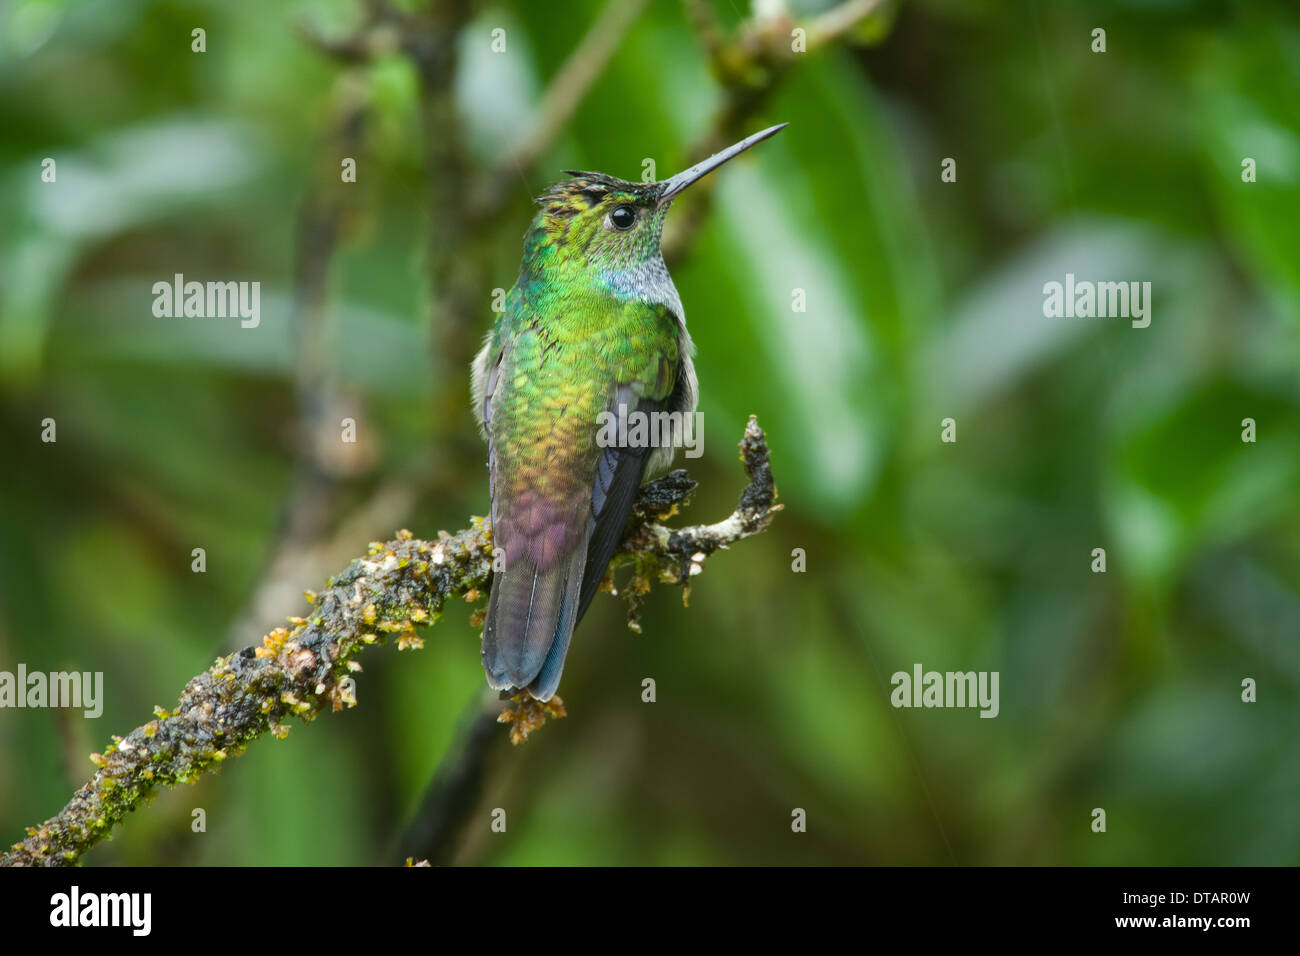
623 217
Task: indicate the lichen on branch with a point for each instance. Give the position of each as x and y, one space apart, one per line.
299 670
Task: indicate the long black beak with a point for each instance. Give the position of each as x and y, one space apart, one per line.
676 184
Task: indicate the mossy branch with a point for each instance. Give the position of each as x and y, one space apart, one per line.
303 669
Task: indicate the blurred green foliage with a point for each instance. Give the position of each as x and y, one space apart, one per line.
1118 690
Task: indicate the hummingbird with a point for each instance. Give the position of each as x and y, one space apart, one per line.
592 331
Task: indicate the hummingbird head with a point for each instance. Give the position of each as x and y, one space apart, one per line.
603 224
611 228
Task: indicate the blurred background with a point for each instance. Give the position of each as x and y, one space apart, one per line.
924 301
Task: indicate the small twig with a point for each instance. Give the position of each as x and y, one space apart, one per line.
750 66
322 463
299 671
837 21
380 32
705 23
565 94
451 796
